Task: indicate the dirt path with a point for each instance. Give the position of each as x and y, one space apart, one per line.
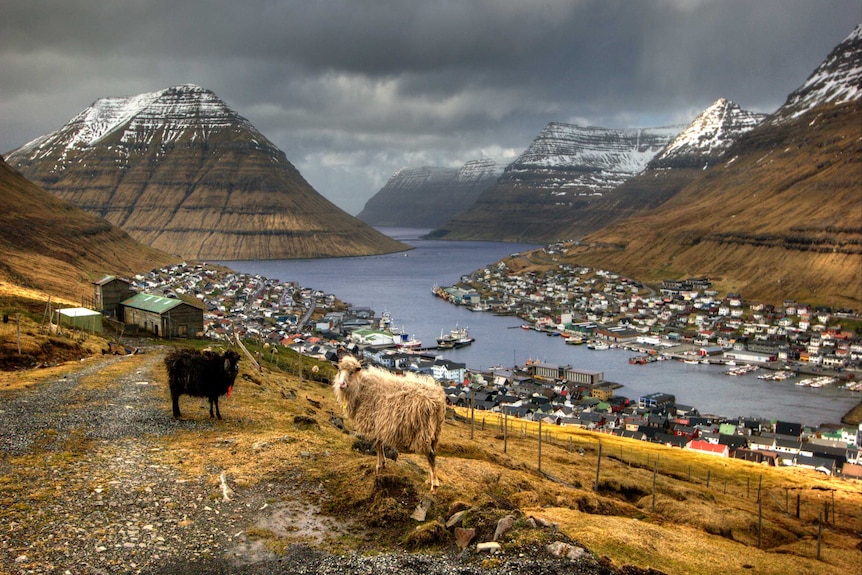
82 489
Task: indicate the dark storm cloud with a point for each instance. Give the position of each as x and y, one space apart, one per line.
352 90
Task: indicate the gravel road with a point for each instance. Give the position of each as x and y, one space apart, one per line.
82 491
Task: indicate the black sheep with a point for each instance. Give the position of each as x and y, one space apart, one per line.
201 374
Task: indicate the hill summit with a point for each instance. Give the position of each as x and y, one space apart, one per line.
182 172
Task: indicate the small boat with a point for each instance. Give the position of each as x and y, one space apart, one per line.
574 340
407 342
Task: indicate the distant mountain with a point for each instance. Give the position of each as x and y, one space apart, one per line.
182 172
780 215
707 138
700 145
51 245
428 197
566 176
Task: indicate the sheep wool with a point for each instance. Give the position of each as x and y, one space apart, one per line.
404 412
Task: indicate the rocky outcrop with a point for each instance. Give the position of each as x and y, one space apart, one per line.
182 172
428 197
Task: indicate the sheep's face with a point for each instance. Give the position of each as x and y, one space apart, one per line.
231 363
346 368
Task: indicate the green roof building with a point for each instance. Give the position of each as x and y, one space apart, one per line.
163 316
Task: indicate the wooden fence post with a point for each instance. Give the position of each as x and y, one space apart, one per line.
598 467
654 475
505 432
759 511
540 446
472 413
819 533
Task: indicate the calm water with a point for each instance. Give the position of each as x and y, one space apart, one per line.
401 284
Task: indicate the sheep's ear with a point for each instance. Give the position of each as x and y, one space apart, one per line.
227 364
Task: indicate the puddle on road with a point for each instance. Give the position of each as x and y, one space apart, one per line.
282 524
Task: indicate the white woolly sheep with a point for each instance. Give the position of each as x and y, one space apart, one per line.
404 412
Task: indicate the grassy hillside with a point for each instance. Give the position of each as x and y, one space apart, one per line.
780 217
704 510
54 247
629 502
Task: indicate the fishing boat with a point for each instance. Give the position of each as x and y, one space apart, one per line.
406 342
458 337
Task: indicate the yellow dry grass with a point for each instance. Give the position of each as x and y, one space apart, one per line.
278 429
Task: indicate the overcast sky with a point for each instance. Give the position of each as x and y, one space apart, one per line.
352 90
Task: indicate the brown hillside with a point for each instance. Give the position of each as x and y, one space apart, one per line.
187 175
780 217
50 245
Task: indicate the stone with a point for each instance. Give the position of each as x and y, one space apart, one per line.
455 519
463 537
503 525
422 508
489 547
565 550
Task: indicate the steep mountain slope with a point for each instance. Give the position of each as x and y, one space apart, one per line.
707 138
780 216
698 146
182 172
428 197
565 177
50 245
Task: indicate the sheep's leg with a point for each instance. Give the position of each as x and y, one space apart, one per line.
214 402
381 457
175 400
432 460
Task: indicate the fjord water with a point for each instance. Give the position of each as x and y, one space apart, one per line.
401 284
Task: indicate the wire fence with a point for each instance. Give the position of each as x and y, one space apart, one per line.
810 506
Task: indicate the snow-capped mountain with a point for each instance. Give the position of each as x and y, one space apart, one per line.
838 79
708 136
429 196
185 112
181 171
566 159
777 216
566 177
